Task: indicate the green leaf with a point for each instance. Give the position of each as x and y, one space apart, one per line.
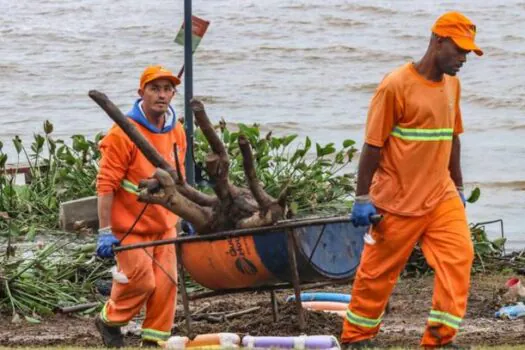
233 137
263 162
294 208
31 233
250 132
302 166
499 243
67 156
329 149
325 162
297 155
48 127
31 319
474 195
350 153
3 160
38 144
319 150
340 158
18 144
276 142
226 136
79 143
262 147
289 139
98 137
52 145
307 144
326 150
483 248
348 143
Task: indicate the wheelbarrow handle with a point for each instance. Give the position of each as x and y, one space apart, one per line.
375 218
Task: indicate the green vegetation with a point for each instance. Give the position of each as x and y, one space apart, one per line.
315 183
59 172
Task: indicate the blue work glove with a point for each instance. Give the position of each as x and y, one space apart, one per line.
362 210
105 243
187 227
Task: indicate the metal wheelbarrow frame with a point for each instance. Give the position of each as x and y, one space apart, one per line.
290 242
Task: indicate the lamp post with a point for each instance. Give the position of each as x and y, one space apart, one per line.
188 93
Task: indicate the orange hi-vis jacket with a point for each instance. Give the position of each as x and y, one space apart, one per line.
123 165
413 120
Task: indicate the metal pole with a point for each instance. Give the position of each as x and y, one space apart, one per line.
188 93
275 306
279 227
292 261
183 291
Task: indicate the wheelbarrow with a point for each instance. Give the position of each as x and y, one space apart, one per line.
290 253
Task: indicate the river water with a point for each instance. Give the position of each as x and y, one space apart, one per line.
306 67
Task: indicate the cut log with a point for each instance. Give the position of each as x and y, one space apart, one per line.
232 207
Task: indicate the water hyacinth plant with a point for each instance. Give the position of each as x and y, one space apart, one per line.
316 181
58 172
42 278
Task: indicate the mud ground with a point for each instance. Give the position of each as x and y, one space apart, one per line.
403 325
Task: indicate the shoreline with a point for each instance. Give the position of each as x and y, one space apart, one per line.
403 324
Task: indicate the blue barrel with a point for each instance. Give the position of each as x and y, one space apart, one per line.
327 251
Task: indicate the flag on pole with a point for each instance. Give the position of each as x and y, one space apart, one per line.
198 28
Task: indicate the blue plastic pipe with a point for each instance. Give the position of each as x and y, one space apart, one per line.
322 296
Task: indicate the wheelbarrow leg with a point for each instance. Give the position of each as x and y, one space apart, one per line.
183 291
275 310
295 278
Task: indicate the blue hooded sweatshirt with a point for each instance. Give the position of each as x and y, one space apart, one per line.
137 115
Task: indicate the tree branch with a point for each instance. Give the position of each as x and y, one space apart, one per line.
171 199
180 177
217 163
206 126
263 198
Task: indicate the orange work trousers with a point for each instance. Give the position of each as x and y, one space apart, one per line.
445 240
148 285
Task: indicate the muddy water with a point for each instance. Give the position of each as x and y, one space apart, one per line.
296 66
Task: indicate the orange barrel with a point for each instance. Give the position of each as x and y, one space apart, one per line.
328 251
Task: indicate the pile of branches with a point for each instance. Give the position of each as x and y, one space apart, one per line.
42 279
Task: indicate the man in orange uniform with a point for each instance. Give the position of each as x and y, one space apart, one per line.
122 166
409 172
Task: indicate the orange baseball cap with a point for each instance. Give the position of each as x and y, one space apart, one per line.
459 28
156 72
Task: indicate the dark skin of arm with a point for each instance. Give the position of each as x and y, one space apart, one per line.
455 164
371 155
368 164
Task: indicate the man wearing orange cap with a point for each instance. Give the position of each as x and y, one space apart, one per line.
409 171
144 279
